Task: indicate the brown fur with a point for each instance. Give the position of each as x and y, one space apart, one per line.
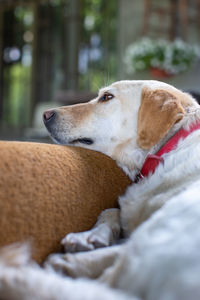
159 111
78 112
185 99
47 191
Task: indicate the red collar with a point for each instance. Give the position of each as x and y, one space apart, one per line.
152 161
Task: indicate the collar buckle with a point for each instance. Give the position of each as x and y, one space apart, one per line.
138 177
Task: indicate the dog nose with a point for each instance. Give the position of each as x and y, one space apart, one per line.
48 115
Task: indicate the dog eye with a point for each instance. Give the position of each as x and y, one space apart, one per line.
106 97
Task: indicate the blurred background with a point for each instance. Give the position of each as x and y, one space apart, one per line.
60 52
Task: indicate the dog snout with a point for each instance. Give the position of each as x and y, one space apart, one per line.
49 116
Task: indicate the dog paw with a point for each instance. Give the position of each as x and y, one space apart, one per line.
73 265
61 264
75 242
100 236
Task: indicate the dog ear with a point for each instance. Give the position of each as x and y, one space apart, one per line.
158 112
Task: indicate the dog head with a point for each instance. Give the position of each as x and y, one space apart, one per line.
125 121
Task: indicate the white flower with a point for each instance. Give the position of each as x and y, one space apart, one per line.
173 57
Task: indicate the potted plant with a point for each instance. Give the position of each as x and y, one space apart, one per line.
161 57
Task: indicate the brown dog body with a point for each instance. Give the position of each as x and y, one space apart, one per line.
47 191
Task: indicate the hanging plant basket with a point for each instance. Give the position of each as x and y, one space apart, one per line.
163 58
158 73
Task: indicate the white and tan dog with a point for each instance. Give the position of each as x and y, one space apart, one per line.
127 121
131 121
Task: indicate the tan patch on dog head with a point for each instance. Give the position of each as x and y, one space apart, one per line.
159 111
185 99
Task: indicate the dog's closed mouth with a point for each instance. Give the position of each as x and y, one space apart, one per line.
86 141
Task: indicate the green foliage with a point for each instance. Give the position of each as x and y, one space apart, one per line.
99 17
16 110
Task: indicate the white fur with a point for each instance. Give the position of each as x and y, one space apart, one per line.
162 258
160 216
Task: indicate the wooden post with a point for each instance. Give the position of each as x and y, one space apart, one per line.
34 79
72 26
183 14
42 55
147 8
1 63
198 16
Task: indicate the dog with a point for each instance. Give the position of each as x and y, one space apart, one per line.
152 130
